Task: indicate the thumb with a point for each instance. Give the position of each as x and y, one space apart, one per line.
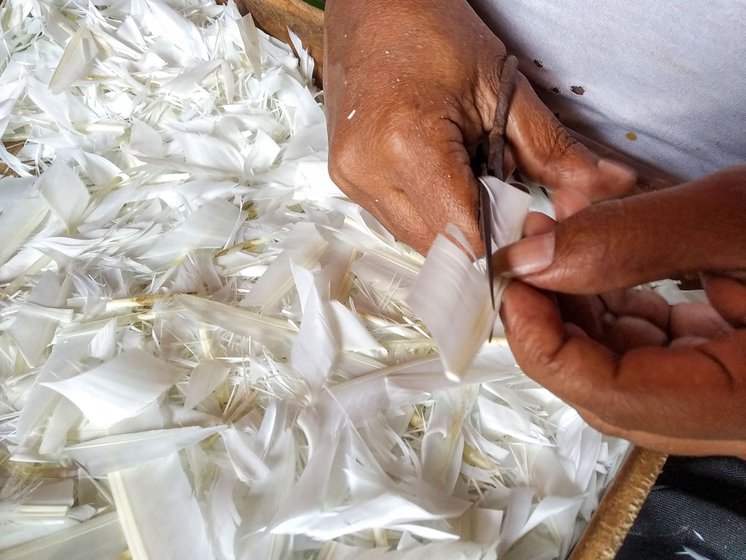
547 154
697 226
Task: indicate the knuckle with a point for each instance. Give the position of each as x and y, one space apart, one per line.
398 143
370 152
561 144
346 162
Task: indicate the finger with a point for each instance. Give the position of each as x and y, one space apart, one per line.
611 326
697 320
695 393
687 341
537 223
691 447
547 154
641 303
625 333
626 242
567 202
508 161
727 296
585 311
574 330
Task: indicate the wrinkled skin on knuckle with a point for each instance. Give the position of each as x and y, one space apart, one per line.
556 160
559 143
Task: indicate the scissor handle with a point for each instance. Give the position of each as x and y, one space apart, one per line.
496 139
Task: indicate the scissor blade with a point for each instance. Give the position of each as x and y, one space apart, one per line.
485 207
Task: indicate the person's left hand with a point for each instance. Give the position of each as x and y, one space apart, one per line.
410 89
671 378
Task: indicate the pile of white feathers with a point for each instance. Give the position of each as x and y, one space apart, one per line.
206 350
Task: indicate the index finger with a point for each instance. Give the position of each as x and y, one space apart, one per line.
650 395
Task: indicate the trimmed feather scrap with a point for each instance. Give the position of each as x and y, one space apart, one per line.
118 389
195 321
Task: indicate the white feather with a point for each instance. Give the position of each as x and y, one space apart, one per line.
452 297
509 208
247 464
65 193
18 225
151 528
278 279
60 421
110 453
31 331
499 419
351 334
251 45
210 153
75 63
443 441
305 61
203 380
237 320
100 537
315 349
213 226
119 388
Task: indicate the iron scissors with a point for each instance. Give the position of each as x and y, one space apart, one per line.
493 159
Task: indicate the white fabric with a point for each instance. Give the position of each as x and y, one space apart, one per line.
671 73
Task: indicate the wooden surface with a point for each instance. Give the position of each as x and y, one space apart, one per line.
13 148
619 507
276 16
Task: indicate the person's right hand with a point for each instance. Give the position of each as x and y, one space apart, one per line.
410 87
667 377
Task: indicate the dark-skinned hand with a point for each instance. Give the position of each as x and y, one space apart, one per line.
671 378
410 88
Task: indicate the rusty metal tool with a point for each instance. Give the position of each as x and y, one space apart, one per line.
493 163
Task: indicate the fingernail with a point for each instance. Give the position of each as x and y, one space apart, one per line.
623 173
529 255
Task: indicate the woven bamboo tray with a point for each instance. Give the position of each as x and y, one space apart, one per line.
626 494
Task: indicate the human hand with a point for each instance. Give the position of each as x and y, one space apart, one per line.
410 88
671 378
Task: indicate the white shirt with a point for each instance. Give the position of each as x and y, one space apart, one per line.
663 81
